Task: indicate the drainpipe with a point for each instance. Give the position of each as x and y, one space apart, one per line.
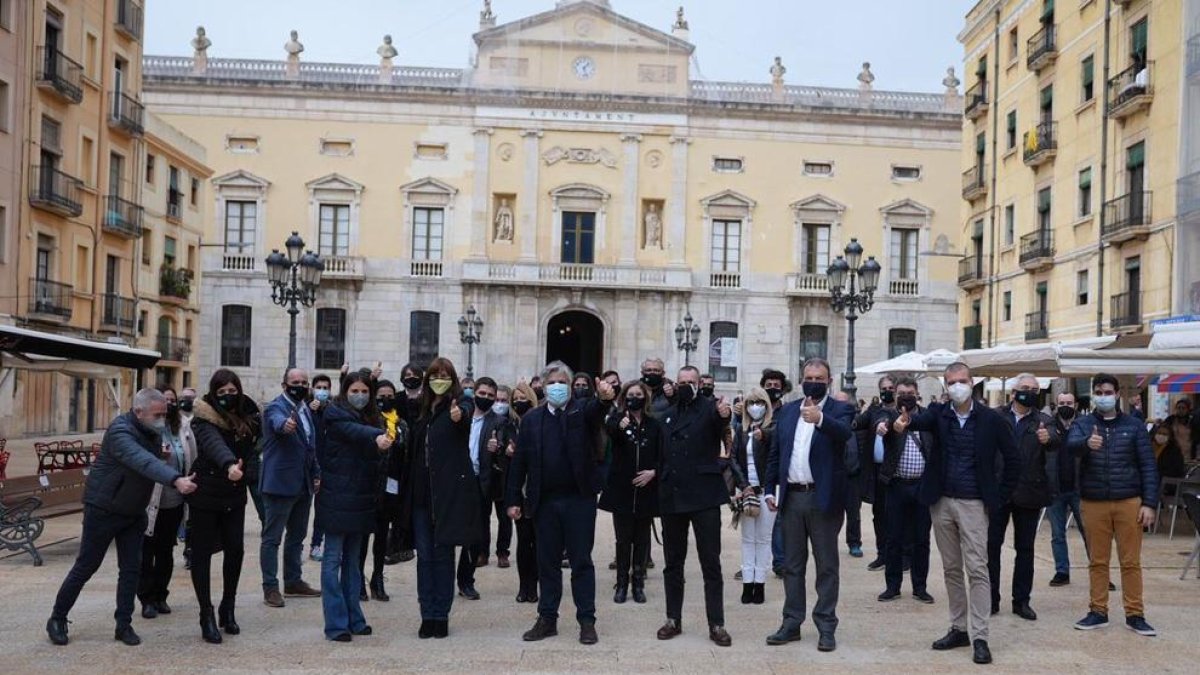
992 190
1103 172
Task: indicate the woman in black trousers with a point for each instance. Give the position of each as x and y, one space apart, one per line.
164 513
631 494
387 490
226 427
523 400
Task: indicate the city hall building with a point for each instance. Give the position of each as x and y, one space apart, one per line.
577 186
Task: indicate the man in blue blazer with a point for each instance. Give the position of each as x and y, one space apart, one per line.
806 480
287 480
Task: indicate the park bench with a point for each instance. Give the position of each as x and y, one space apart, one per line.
27 501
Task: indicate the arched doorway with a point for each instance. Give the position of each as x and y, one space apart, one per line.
576 339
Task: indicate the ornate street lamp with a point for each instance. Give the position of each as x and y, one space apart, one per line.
687 337
852 290
470 331
294 279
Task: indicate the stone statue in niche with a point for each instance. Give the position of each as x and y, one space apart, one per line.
866 78
652 226
504 222
778 70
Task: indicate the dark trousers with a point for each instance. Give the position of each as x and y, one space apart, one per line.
469 554
854 511
633 545
210 529
377 547
101 528
879 520
707 526
566 522
527 565
435 569
909 524
1024 535
158 556
804 525
504 529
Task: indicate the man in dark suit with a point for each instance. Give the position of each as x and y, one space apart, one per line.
691 492
971 440
807 467
483 427
870 488
558 465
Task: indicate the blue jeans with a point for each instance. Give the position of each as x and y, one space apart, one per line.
290 513
566 522
1057 514
340 583
435 569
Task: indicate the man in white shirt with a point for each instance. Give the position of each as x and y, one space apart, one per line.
481 429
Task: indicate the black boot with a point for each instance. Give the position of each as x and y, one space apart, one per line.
759 594
639 586
748 594
377 590
362 593
621 590
208 627
226 620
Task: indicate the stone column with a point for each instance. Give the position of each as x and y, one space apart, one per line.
629 202
481 195
528 201
677 205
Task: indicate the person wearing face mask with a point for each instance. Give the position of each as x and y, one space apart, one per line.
408 404
708 385
961 487
442 503
1118 487
523 400
581 386
1037 438
499 446
1067 498
752 444
483 444
187 400
387 489
119 487
653 374
164 513
867 486
319 399
356 449
290 476
226 429
535 383
775 383
468 388
631 492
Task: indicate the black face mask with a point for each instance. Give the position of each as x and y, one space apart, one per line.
1026 398
172 409
484 404
907 402
685 393
1065 412
635 404
652 380
228 402
815 390
774 394
411 383
186 405
297 392
385 404
886 397
582 392
539 393
707 391
521 407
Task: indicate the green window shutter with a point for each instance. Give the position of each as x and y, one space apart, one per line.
1012 121
1047 97
1085 178
1138 37
981 69
1048 10
1089 71
980 144
1135 157
1043 201
977 231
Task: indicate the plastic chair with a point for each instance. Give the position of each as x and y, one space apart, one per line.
1191 503
1168 502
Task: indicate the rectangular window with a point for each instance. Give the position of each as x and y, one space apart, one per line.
423 337
241 226
1046 104
723 351
814 248
578 237
1081 287
235 336
194 197
331 338
820 169
428 227
43 264
1138 40
814 342
1007 312
901 341
1014 45
169 257
335 230
3 234
905 172
1010 224
87 161
91 57
147 241
149 169
904 253
1087 78
1043 209
1085 192
1010 130
174 194
4 102
726 246
728 164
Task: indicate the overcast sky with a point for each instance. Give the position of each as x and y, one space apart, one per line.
908 42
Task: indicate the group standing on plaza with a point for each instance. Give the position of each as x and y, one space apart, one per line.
424 467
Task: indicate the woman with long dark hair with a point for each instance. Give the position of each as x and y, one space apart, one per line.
226 427
165 512
387 489
443 503
347 503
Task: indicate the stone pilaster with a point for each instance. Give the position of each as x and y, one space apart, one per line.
528 201
677 204
480 194
629 201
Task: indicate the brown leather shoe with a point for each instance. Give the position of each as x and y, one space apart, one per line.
669 630
272 598
719 636
481 561
301 589
502 562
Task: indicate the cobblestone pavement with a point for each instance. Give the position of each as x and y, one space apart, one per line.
485 634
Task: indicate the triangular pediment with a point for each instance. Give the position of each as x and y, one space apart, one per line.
334 181
907 207
585 23
728 198
818 202
241 178
429 185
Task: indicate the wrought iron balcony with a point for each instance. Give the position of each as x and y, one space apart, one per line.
972 271
55 191
174 283
1037 326
1131 90
120 313
972 337
129 19
976 101
174 205
122 217
1126 311
50 298
1041 143
974 182
1037 250
174 348
1041 50
56 72
125 113
1127 217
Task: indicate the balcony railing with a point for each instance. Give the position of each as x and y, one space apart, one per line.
122 217
120 313
174 282
974 182
50 298
342 267
125 113
1037 249
1037 326
976 100
239 262
59 73
972 271
1127 217
972 337
1126 310
174 348
725 280
425 268
904 287
808 283
174 205
1130 90
55 191
1041 49
129 18
1041 143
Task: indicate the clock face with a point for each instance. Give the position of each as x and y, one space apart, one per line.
584 67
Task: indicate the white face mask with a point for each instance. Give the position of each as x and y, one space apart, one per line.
756 411
960 392
500 408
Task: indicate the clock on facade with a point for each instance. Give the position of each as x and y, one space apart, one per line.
584 67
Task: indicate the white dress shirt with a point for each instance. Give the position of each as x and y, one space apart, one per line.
476 432
799 470
751 468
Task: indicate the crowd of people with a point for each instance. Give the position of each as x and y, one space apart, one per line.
422 469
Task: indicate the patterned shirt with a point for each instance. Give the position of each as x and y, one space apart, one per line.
912 462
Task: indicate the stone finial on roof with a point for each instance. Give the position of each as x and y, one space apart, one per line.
200 45
680 22
387 50
487 18
951 82
866 77
293 47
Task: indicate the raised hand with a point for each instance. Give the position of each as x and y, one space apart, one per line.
383 441
625 421
810 411
235 471
186 484
604 390
511 449
493 444
902 422
514 512
377 370
723 408
1095 441
455 412
738 408
881 428
289 425
1043 434
314 405
668 389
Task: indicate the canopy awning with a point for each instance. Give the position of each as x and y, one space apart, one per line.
1041 359
1178 384
912 363
20 346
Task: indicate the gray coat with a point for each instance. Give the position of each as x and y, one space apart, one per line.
123 476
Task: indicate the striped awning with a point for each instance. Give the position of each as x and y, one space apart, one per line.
1179 384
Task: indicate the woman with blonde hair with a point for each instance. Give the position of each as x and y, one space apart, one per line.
752 443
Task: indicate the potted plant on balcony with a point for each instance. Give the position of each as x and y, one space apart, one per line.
173 282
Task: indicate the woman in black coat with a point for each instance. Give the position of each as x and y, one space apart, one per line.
524 399
348 501
631 494
226 427
443 505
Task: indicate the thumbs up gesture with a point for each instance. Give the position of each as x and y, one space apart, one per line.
377 371
186 484
902 422
810 412
881 428
1043 434
455 412
723 408
493 444
604 390
235 471
625 421
1095 441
